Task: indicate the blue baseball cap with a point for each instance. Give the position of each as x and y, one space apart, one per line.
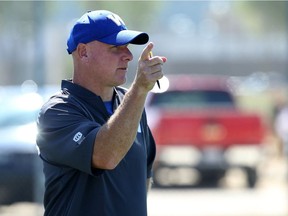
103 26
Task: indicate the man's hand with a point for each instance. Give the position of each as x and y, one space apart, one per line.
149 69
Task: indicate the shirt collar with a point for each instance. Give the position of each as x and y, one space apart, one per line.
81 92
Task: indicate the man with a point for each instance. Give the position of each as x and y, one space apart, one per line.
93 138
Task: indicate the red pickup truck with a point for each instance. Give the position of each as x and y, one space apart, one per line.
200 133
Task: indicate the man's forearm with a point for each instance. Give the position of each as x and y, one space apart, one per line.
115 138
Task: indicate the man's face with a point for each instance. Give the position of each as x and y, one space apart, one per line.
108 63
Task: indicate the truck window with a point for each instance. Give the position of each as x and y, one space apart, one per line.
193 99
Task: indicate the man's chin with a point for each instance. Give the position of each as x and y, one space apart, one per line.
121 81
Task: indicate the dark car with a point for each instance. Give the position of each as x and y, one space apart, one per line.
21 177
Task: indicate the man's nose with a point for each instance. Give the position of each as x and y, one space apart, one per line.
128 55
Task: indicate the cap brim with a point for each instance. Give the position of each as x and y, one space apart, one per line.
126 37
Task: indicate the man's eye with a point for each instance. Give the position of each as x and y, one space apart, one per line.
115 47
119 48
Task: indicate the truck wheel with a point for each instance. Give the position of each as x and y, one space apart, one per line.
211 179
251 177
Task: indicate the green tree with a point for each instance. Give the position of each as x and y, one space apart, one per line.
263 16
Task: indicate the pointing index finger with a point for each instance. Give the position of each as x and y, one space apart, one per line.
146 52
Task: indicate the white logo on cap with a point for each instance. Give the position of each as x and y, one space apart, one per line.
116 19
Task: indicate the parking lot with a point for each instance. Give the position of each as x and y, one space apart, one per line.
232 198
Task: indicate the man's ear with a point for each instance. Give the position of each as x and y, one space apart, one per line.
81 50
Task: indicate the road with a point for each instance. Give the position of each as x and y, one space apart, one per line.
235 202
269 198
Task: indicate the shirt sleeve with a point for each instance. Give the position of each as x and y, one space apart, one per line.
66 136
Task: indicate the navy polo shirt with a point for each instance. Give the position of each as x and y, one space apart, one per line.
68 124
